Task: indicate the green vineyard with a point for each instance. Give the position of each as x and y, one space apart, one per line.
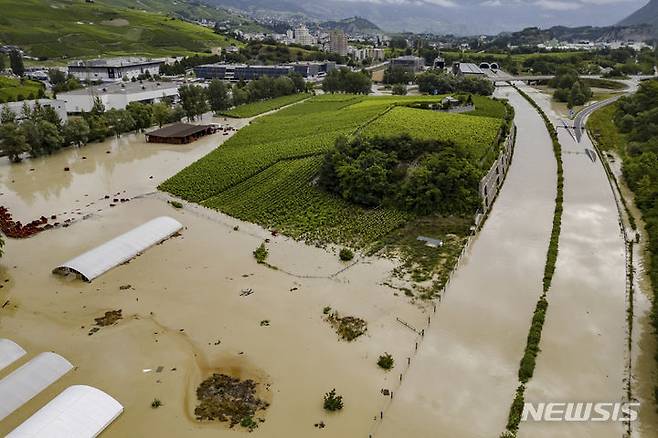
266 173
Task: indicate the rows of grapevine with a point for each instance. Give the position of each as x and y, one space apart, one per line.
264 174
476 134
283 197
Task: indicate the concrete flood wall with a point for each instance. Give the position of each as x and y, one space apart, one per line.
493 180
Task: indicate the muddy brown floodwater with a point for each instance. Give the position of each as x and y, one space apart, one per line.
462 381
583 346
183 310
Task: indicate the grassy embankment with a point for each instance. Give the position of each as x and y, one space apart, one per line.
639 171
528 362
75 29
14 89
255 108
266 174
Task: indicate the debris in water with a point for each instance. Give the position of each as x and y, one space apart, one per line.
347 327
229 399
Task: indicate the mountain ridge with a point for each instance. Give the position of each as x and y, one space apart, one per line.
648 14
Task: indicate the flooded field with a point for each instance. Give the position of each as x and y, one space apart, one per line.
182 308
185 315
463 379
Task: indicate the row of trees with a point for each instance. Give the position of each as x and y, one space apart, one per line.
570 88
347 81
196 100
438 82
40 131
379 171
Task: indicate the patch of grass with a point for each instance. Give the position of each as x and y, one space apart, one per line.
12 89
176 204
604 83
263 106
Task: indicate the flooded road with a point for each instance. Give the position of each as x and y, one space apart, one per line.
583 347
462 381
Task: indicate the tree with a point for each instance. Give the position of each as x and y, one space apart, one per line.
333 402
141 113
13 141
240 95
16 62
56 76
161 113
76 132
119 121
7 115
218 96
399 89
98 107
398 75
2 63
298 81
193 100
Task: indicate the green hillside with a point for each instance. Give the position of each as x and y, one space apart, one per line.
73 28
189 10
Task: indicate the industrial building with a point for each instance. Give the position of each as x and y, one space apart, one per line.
244 72
57 104
114 69
411 63
118 95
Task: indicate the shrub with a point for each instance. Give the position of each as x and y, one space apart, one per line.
346 254
261 253
176 204
386 361
156 403
333 402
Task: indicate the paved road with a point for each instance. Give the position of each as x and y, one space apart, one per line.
581 117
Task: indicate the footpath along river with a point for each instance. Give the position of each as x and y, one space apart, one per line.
462 381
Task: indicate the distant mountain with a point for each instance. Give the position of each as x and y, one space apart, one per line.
353 25
533 36
648 14
459 17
